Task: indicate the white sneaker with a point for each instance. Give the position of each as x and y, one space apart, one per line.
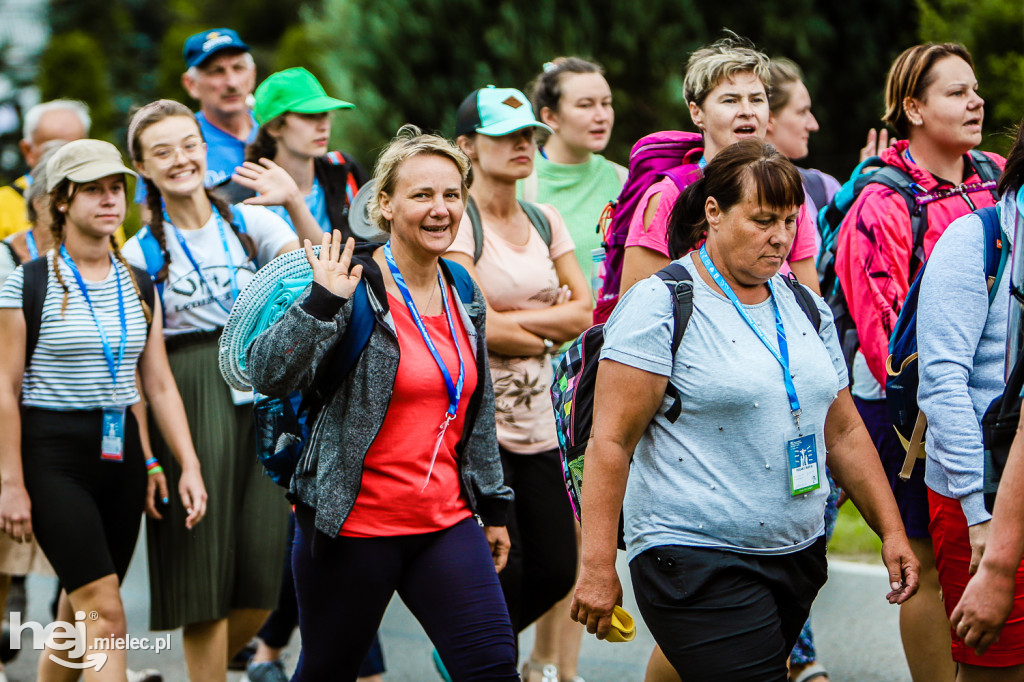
147 675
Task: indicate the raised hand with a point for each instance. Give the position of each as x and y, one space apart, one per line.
876 143
331 267
273 185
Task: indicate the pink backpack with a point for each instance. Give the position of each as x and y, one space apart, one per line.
671 153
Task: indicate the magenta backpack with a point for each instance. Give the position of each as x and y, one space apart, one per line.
670 153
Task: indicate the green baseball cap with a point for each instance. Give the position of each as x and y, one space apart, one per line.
495 111
293 90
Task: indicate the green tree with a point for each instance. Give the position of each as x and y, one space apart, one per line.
415 60
992 31
75 67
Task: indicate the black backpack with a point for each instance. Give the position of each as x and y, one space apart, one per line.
832 215
998 429
33 296
575 377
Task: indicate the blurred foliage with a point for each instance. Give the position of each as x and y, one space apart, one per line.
414 61
448 48
992 31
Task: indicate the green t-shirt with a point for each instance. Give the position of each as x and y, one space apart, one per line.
579 192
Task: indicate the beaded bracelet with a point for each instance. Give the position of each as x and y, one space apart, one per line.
153 466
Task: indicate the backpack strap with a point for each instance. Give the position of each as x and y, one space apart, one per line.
478 228
899 182
533 212
33 295
805 299
987 169
539 220
814 185
995 254
153 256
680 284
147 290
459 276
340 359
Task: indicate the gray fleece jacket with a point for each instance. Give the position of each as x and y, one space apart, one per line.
328 476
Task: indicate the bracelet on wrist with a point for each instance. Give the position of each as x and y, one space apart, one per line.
153 466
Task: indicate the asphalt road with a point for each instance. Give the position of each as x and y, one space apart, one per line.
856 629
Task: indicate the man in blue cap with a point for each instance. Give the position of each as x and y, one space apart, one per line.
221 75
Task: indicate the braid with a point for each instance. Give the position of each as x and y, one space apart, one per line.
61 192
154 201
224 208
131 275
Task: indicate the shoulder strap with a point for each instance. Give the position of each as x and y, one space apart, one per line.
680 284
899 182
806 301
238 218
986 167
815 187
343 356
478 229
146 287
33 296
153 256
538 219
459 276
995 254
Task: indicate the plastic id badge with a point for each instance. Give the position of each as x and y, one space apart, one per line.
802 455
112 445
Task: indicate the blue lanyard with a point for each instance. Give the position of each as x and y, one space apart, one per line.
108 353
454 389
195 264
702 164
782 355
30 242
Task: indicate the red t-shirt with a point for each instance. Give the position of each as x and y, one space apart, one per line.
390 501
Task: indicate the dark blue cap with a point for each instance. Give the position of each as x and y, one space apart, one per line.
205 44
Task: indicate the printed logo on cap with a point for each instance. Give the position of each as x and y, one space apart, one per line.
213 39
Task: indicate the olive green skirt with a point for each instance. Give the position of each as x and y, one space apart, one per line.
233 558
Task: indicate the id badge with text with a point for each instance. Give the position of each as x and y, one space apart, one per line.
802 457
112 445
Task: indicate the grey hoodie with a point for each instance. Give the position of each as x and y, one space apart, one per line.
328 476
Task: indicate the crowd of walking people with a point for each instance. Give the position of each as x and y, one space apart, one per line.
734 410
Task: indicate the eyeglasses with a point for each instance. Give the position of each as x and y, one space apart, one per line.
167 154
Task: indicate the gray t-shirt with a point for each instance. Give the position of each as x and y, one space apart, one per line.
719 476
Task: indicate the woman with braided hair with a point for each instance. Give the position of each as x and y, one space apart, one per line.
220 581
73 473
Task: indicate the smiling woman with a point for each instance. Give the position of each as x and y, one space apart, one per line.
403 455
70 447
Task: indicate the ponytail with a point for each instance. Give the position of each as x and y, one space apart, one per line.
688 224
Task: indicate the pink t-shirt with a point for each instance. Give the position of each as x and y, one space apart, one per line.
655 237
520 277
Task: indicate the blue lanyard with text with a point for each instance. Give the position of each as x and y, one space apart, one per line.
30 242
199 270
782 355
108 352
454 388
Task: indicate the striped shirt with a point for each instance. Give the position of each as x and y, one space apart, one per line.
68 370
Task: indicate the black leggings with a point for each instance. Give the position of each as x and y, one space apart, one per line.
446 578
277 629
85 511
541 566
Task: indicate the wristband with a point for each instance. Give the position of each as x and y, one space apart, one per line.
153 466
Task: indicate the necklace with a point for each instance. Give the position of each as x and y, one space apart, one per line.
433 290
